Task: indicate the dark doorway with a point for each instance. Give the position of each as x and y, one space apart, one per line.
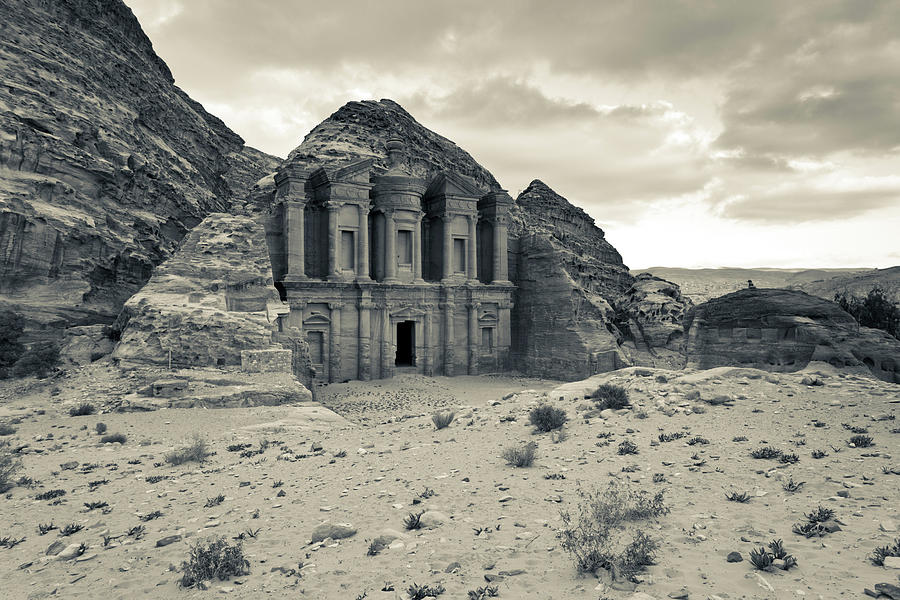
406 344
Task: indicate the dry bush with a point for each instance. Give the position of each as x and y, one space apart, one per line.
82 410
9 466
605 531
547 418
611 396
520 456
114 438
216 560
443 419
197 451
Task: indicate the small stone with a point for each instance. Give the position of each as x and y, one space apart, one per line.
169 539
888 526
431 519
892 562
682 595
328 530
505 499
888 589
452 567
843 493
70 551
212 523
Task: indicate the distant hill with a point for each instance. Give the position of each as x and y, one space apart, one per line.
702 284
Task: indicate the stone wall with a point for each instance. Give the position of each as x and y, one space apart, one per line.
274 360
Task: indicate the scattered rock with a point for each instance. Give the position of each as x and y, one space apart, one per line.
734 557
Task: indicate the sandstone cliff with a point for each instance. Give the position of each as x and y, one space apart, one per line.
651 313
210 301
104 162
783 330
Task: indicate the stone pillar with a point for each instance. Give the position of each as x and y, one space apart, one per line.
447 307
362 256
427 366
473 337
388 354
379 248
448 246
471 269
294 239
417 250
501 255
333 241
503 340
334 358
365 334
390 250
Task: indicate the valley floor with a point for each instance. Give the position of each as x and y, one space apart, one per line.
365 460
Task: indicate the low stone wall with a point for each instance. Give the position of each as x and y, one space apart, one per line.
275 360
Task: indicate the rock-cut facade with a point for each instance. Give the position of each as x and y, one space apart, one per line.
384 271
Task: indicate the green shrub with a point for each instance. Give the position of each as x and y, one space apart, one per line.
216 560
611 396
10 349
547 418
875 310
101 428
520 456
879 554
38 360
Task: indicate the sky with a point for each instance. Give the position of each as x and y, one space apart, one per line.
695 133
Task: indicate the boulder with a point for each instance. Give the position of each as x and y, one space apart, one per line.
334 531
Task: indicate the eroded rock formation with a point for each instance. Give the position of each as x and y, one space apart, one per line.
210 301
651 313
783 330
104 163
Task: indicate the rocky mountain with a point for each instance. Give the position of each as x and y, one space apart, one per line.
853 284
104 163
784 330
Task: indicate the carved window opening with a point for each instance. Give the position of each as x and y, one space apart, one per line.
459 255
404 247
316 341
487 339
348 251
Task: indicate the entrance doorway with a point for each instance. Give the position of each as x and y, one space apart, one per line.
406 344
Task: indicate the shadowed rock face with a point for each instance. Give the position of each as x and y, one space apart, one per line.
783 330
104 162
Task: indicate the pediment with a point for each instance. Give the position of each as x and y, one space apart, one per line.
488 318
316 318
450 184
407 312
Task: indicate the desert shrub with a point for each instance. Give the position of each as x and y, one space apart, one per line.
875 310
739 438
627 447
760 558
668 437
418 592
604 533
413 521
38 360
520 456
788 459
862 441
820 515
114 438
742 497
443 419
6 429
792 486
490 591
766 452
819 454
101 428
879 554
214 501
70 529
216 560
197 451
82 410
9 466
50 495
547 418
611 396
697 440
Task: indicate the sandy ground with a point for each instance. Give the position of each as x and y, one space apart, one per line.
393 454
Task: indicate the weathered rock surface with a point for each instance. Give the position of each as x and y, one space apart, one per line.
783 330
651 313
207 303
104 163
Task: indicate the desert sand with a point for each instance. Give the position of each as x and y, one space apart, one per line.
369 449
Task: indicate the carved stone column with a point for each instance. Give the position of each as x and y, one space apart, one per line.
333 241
362 260
501 257
447 262
387 344
390 251
380 259
334 360
428 345
471 269
447 308
472 337
417 250
294 240
365 334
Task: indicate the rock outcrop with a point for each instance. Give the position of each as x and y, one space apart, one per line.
651 314
212 300
104 163
566 273
783 330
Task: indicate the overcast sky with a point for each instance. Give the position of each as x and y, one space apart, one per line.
695 133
